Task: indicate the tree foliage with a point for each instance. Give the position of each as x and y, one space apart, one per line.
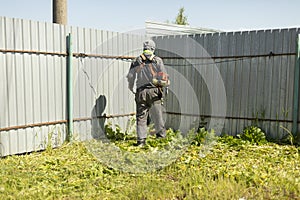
181 19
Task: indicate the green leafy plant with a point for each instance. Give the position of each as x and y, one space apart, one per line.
131 126
171 135
254 135
231 140
116 134
289 138
204 136
126 139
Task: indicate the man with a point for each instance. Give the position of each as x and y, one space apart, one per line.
150 75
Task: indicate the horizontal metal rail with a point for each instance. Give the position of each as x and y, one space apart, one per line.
271 54
63 121
33 125
77 55
132 114
103 116
230 117
83 55
33 52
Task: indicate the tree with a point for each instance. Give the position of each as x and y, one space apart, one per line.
181 19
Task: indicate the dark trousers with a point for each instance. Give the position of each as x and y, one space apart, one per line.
146 99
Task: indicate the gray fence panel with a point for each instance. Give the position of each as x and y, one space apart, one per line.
259 88
31 83
292 35
229 81
100 84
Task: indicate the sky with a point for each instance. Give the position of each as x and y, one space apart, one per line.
130 15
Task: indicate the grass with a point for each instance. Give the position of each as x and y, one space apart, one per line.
232 169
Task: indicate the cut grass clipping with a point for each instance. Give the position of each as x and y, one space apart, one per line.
232 168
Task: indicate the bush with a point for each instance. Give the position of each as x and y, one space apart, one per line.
254 135
204 137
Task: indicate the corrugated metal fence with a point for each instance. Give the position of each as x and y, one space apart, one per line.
33 81
230 78
32 97
256 70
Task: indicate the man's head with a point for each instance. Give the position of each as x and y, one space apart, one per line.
149 45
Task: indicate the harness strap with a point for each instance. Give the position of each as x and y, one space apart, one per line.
152 70
140 67
144 58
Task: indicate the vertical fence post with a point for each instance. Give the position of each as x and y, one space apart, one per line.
296 90
69 88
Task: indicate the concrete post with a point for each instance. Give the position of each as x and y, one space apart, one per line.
60 11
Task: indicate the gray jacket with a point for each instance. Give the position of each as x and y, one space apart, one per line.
142 73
